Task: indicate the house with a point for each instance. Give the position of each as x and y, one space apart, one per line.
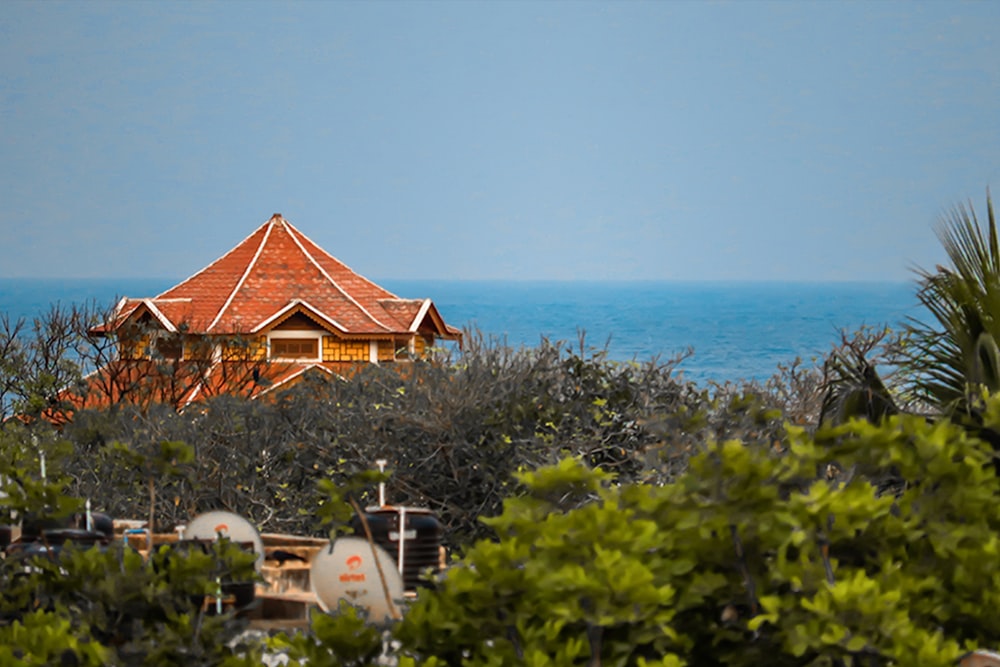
273 308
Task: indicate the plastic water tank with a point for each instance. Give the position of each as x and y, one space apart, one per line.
421 539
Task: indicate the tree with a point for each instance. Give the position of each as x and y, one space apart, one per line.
31 471
754 556
942 365
12 362
106 606
955 357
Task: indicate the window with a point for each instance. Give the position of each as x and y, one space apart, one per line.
169 347
294 348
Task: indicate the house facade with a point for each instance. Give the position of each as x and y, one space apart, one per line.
271 309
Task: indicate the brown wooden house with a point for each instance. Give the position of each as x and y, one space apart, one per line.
268 311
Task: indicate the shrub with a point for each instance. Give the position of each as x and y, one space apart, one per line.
756 555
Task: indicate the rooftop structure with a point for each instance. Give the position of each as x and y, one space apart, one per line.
272 308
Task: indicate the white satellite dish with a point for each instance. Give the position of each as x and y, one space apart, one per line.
212 525
346 570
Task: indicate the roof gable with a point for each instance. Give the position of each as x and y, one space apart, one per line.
298 308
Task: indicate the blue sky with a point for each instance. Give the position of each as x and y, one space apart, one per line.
497 140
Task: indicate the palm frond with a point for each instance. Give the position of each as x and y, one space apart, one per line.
954 355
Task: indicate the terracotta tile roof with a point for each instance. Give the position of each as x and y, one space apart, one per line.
274 274
276 267
239 378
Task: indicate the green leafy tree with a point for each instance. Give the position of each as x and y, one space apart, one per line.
169 459
344 638
753 556
33 477
47 638
137 612
105 606
575 578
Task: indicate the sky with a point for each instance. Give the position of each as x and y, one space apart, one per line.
497 140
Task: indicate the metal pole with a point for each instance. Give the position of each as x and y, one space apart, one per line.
402 538
381 485
41 454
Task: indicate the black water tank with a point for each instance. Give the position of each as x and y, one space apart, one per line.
421 544
6 536
99 522
32 526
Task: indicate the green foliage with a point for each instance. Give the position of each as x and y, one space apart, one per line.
631 518
341 639
24 490
107 606
574 572
956 355
337 504
122 609
754 556
168 459
453 433
941 364
44 638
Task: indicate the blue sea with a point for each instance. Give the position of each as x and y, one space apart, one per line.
736 330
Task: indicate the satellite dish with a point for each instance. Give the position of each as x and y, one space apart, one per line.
212 525
346 570
980 659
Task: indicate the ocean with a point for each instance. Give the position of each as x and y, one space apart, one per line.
737 330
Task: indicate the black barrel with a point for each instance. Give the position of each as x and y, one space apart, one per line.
99 522
33 526
78 536
421 544
6 536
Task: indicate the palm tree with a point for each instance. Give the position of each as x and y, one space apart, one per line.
948 362
955 358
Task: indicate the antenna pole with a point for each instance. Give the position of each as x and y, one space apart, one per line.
381 485
41 454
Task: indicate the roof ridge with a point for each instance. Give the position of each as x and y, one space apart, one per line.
239 283
292 233
214 262
338 261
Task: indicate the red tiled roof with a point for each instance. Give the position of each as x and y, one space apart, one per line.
274 269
